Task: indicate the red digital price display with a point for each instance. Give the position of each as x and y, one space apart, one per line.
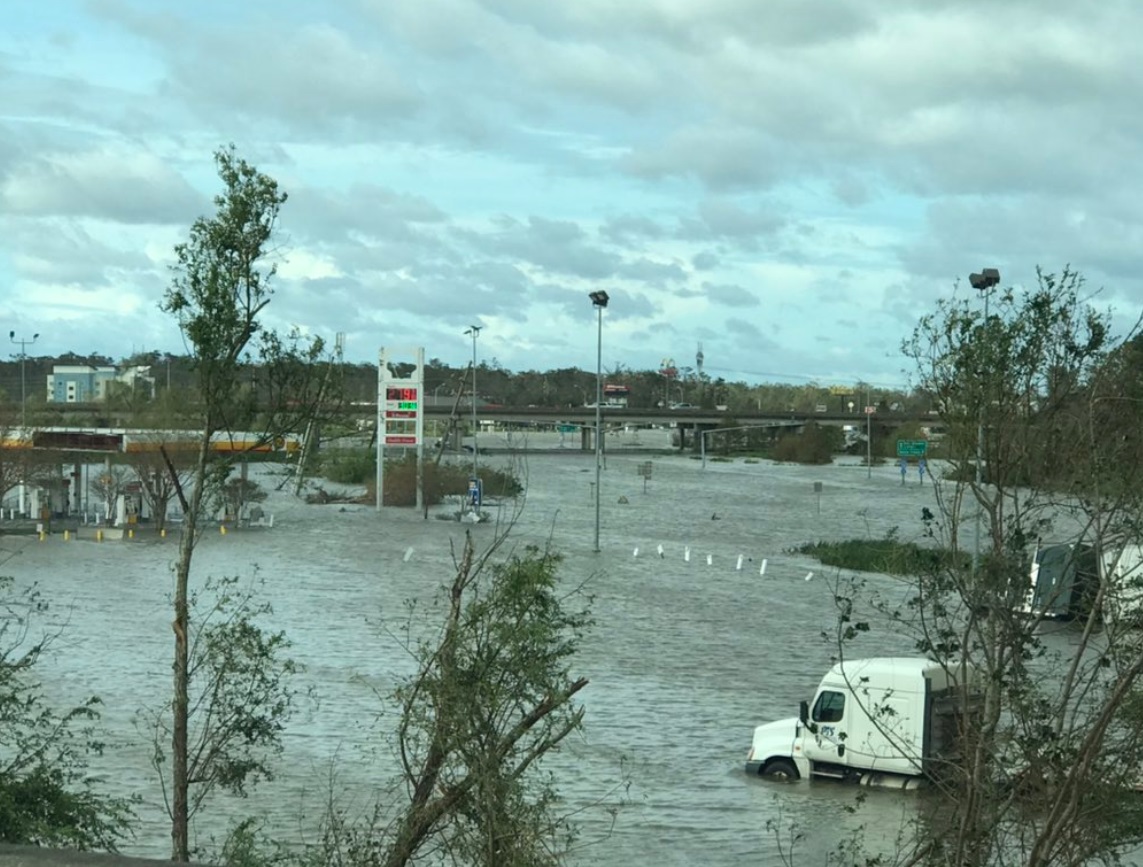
400 394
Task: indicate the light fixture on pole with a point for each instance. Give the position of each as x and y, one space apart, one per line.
473 330
23 343
599 301
982 282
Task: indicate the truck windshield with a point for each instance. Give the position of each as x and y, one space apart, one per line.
829 708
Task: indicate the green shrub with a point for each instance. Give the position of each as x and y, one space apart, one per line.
887 555
356 467
400 478
815 445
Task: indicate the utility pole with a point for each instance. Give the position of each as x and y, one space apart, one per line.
474 331
23 343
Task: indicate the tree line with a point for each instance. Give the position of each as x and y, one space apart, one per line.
562 387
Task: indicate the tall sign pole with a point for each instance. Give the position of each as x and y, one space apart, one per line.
400 413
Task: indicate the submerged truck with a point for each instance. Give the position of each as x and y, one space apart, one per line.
1065 580
885 721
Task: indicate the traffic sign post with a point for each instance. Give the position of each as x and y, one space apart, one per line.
912 448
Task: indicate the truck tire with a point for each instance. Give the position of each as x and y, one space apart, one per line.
779 769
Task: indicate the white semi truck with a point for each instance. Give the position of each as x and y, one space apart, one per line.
882 721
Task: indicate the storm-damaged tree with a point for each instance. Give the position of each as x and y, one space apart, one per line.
240 679
162 462
491 697
107 486
163 450
251 385
238 493
47 796
1043 444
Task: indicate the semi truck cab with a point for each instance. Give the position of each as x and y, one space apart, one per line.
880 721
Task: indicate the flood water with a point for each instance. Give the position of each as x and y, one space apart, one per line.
686 657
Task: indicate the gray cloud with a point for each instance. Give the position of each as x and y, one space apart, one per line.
362 210
705 261
307 75
631 229
729 295
57 252
649 271
558 246
107 184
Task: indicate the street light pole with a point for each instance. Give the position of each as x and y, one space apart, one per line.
23 343
983 282
474 330
868 437
599 301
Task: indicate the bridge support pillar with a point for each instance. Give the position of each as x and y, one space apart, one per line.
587 438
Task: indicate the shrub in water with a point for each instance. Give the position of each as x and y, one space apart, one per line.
815 445
400 478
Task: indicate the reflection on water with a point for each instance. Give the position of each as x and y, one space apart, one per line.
686 658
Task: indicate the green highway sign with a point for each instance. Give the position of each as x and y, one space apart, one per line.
911 448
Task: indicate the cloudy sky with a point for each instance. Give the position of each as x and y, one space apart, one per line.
790 183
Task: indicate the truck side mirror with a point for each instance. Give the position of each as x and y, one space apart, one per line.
804 711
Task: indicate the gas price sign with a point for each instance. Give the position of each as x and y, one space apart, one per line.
403 398
402 408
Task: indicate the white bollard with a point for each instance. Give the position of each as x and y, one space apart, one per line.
762 568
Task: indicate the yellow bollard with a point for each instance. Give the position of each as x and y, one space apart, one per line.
98 535
163 533
43 535
131 533
222 529
67 535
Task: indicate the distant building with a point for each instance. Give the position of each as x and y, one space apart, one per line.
89 383
616 395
